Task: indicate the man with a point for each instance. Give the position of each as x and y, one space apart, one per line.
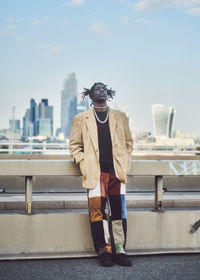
101 144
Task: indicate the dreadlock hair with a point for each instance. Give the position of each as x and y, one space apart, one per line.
90 92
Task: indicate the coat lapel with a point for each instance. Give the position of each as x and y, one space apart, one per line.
92 127
112 122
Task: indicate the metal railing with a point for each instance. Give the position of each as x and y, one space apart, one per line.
62 148
34 148
45 167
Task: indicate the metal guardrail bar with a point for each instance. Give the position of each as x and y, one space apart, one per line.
28 194
28 147
34 147
158 200
32 144
156 168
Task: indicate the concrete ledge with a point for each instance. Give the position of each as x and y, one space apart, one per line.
66 167
68 234
161 156
79 201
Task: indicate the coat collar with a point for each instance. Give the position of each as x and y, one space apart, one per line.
92 126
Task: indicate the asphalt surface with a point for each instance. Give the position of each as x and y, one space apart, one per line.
156 267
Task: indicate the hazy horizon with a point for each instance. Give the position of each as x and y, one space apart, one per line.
146 50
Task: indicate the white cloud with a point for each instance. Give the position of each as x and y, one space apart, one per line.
36 22
10 27
126 19
185 3
98 27
76 2
21 19
194 12
7 29
73 3
147 5
11 19
64 4
65 22
49 49
18 39
40 20
10 30
142 20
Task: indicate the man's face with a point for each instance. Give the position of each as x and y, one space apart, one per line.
100 93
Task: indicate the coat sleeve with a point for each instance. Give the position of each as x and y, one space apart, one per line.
128 136
128 139
76 147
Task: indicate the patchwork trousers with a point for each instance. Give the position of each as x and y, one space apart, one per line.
108 230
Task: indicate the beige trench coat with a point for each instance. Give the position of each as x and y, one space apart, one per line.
84 147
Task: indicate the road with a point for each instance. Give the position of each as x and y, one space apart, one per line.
149 267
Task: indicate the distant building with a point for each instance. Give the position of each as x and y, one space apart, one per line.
14 130
26 124
83 105
4 134
58 131
44 127
163 120
44 124
68 103
14 126
38 119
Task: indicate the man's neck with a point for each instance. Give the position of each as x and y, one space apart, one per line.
100 107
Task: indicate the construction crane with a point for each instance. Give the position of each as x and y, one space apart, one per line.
12 130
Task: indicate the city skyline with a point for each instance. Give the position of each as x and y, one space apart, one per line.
38 119
148 51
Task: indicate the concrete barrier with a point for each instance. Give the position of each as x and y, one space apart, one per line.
53 235
67 234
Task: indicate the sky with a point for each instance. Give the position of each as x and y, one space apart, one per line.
146 50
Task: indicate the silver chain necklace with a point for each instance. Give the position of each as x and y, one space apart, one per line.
105 107
99 119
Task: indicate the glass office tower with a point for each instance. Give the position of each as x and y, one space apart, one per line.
163 120
68 103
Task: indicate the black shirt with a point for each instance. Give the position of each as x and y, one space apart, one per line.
105 144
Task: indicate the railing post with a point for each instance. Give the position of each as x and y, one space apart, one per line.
28 194
158 200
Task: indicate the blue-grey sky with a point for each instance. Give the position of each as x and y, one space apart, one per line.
147 50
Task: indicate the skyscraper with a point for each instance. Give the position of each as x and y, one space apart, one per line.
68 103
38 119
163 120
27 124
44 124
83 105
